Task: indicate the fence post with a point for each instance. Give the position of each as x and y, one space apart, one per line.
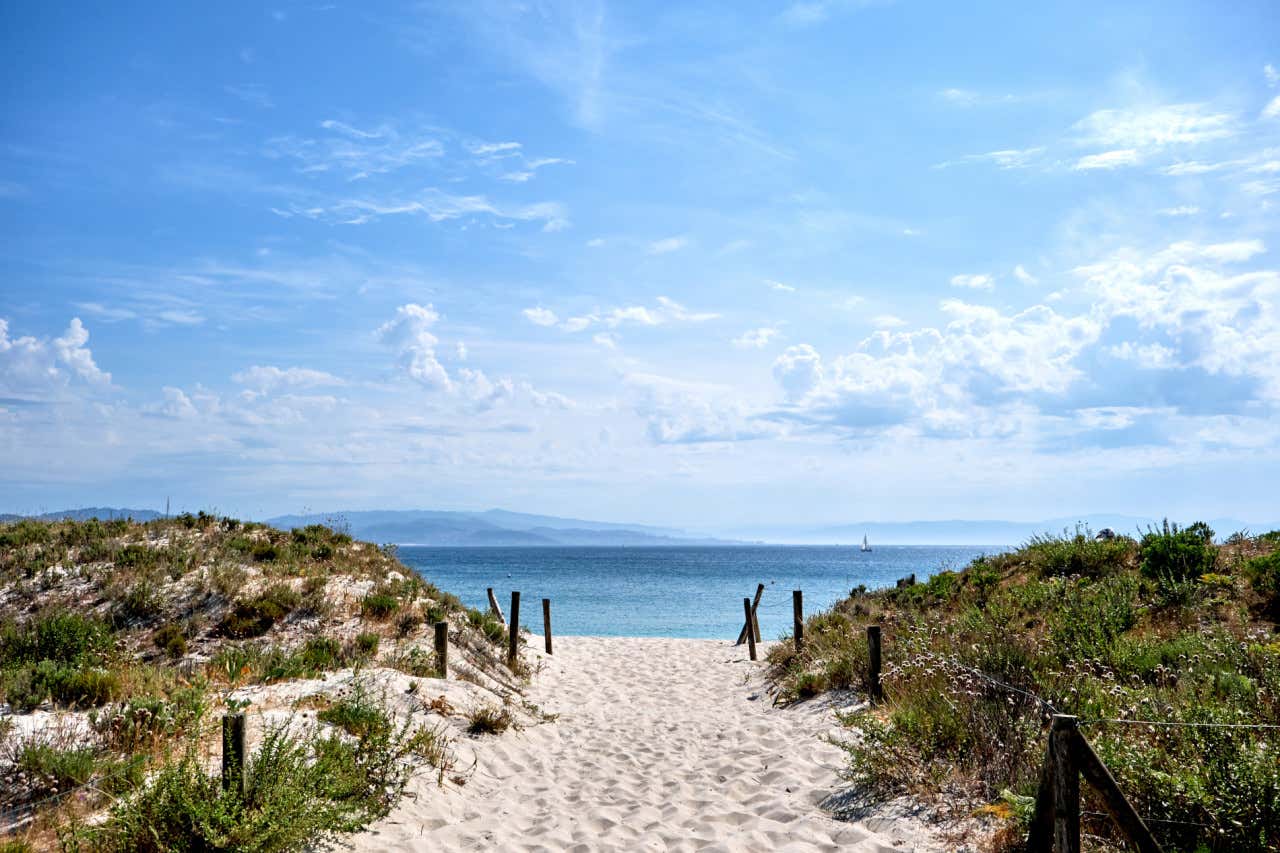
873 668
513 632
495 607
546 622
442 648
1040 839
1066 784
233 753
797 608
750 627
742 635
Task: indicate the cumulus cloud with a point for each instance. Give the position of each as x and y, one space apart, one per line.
681 412
1272 109
977 281
1021 274
780 286
755 338
176 404
409 334
34 368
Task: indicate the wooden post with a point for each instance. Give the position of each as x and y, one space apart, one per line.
750 627
1066 784
742 635
1040 839
797 607
442 648
513 632
233 753
873 667
494 607
546 622
1097 775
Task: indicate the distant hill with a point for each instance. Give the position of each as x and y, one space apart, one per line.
103 513
492 527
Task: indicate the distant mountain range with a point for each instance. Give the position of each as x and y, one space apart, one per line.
502 527
492 527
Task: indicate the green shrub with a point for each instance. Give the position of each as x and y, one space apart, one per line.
367 644
23 533
1169 553
170 639
1078 554
136 557
255 617
144 721
264 552
379 603
1264 576
62 637
51 770
358 714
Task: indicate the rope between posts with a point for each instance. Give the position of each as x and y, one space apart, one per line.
998 683
1181 724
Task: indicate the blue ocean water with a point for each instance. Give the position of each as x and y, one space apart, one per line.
671 591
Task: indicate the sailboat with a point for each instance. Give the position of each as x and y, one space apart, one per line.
865 546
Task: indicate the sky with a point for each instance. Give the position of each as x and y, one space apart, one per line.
702 264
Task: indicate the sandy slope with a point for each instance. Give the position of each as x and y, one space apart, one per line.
660 745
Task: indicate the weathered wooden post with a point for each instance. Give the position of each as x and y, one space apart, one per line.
233 753
494 607
513 632
755 605
1066 784
750 626
797 607
873 667
442 648
546 622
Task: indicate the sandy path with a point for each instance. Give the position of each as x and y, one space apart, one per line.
660 745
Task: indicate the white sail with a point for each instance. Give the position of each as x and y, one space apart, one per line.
865 546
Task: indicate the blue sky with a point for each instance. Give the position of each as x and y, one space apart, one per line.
709 265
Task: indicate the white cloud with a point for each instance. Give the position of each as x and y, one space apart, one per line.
595 242
675 311
71 351
1008 158
540 316
888 321
1157 127
252 94
780 286
1108 160
977 281
755 338
436 205
667 244
1273 76
176 405
577 324
1272 109
39 369
1180 210
798 370
415 346
1021 274
264 378
605 339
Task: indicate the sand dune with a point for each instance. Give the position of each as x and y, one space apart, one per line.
660 744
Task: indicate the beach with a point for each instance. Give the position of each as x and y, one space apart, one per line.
657 744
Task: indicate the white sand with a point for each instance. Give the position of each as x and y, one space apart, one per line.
660 745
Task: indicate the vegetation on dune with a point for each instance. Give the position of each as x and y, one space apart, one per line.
1164 628
142 630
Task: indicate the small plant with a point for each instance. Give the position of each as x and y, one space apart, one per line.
170 639
379 603
367 644
489 719
52 770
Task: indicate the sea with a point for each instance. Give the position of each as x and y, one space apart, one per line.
693 592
